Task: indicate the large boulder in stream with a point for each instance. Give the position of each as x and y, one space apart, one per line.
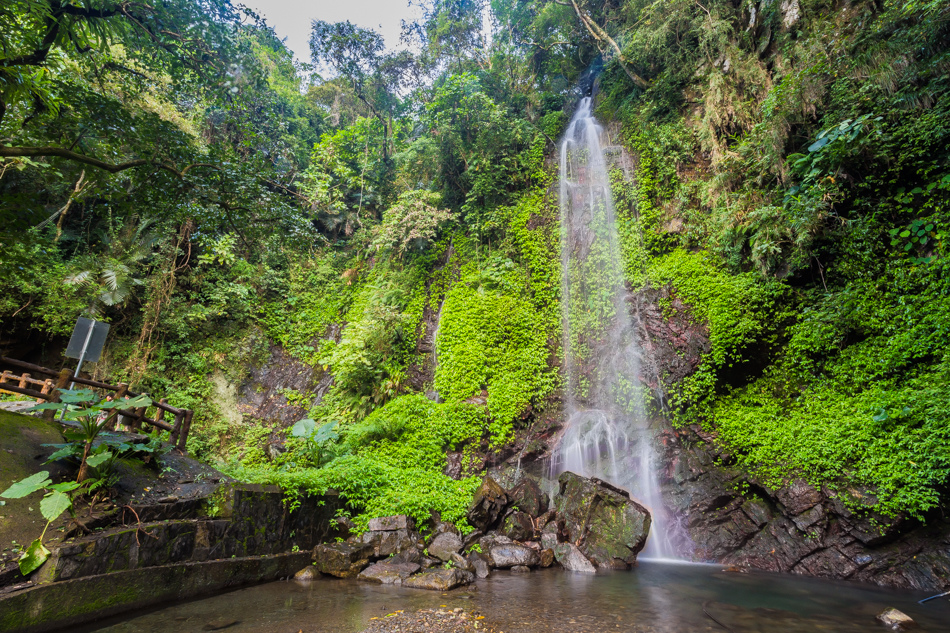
505 556
440 579
488 505
608 527
388 572
343 560
572 559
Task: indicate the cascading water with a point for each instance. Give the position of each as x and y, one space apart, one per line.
608 432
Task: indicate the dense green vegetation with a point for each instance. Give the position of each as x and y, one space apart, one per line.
171 170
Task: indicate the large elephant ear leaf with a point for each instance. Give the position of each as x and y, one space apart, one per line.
54 504
34 556
27 486
303 428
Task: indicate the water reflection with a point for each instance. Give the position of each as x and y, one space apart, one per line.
653 598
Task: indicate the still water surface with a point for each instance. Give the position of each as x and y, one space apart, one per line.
653 598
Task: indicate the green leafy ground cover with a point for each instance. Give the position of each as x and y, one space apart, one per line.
792 182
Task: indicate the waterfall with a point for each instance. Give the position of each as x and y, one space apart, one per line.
608 432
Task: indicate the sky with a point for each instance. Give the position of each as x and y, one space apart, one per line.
291 18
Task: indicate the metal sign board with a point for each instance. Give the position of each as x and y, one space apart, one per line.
88 339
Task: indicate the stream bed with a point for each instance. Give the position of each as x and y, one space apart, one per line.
653 598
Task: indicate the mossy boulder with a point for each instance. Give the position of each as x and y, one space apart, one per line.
607 525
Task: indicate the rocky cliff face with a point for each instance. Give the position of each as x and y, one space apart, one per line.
734 519
798 529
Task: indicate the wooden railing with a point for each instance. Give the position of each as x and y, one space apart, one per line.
49 391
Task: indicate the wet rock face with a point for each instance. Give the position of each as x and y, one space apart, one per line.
528 497
607 525
261 396
735 520
518 526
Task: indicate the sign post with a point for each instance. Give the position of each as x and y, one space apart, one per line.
86 343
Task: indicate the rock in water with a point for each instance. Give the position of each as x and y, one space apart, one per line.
547 557
343 560
444 545
897 620
571 559
388 572
488 505
440 579
505 556
306 574
528 497
480 563
521 569
609 526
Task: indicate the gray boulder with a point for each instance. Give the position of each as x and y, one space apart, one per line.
388 542
896 620
480 563
571 559
506 556
440 579
391 523
444 545
388 573
609 527
306 574
343 560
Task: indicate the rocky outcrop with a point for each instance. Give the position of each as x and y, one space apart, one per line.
603 521
734 519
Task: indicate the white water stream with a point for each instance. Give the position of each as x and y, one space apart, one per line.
608 433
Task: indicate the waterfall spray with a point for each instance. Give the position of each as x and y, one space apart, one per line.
608 432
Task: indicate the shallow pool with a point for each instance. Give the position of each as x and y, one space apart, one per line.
653 598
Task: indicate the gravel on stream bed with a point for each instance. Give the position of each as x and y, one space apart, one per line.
431 621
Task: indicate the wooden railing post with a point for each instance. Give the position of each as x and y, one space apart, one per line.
113 416
24 381
47 387
61 381
185 427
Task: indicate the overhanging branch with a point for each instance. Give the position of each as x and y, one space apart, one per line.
112 168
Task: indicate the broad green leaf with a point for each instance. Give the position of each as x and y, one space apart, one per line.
66 486
54 504
46 406
303 428
326 433
62 453
98 459
35 555
27 486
